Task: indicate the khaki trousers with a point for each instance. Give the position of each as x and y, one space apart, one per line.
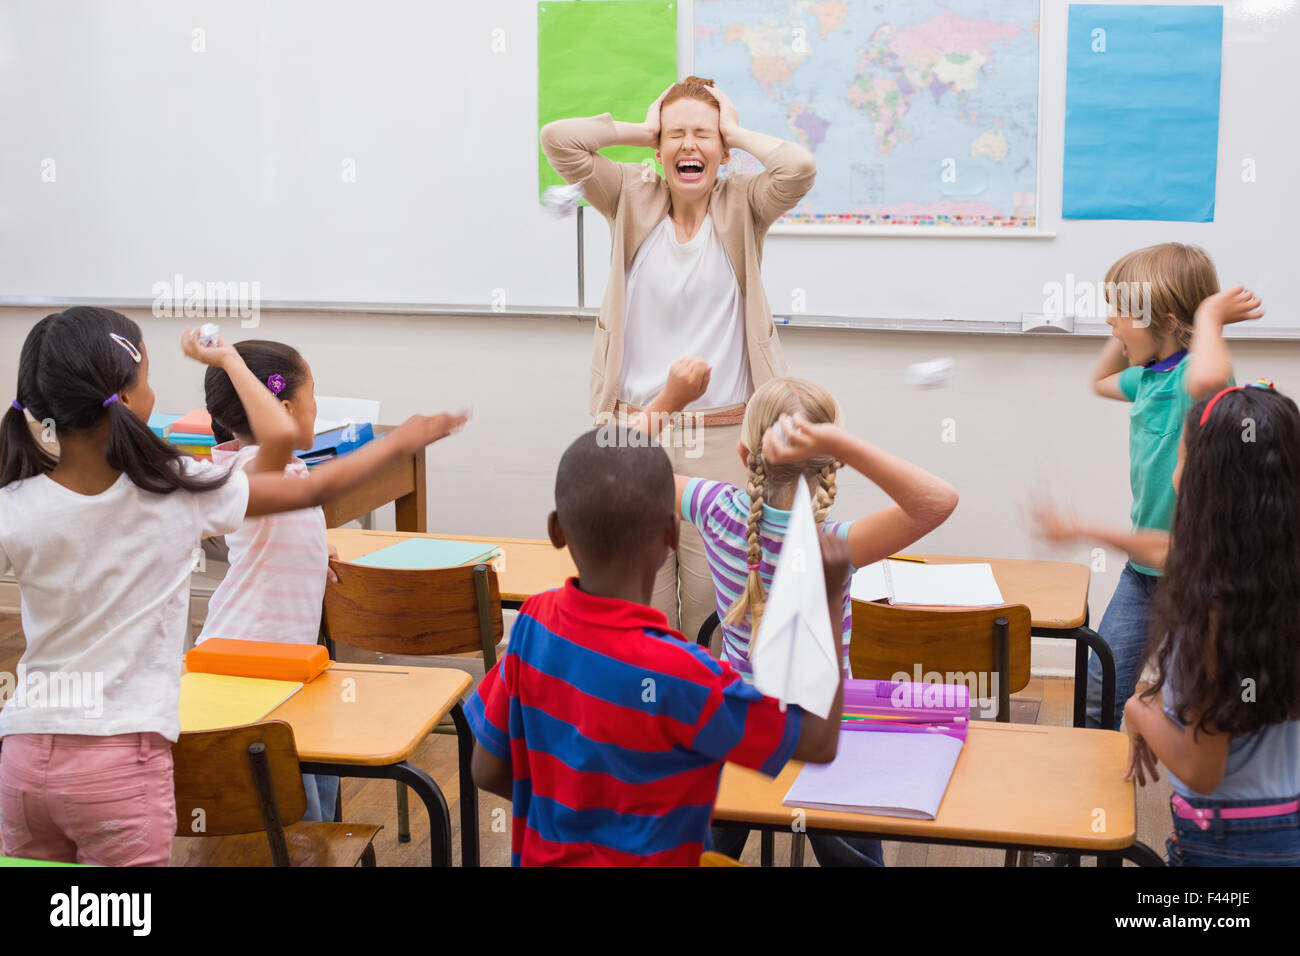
684 589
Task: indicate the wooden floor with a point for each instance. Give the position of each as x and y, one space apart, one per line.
1043 701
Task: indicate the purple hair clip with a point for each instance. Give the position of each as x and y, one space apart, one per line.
111 399
17 405
275 383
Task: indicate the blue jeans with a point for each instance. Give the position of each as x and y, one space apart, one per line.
830 851
1263 841
322 796
1124 628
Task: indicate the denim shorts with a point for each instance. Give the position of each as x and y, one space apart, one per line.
1259 841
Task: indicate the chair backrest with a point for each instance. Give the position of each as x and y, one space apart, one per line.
239 780
889 640
397 611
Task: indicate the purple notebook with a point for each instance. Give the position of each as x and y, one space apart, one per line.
890 775
906 708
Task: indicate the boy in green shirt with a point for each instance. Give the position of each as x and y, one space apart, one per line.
1167 352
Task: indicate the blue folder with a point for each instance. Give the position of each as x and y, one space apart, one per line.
338 442
426 553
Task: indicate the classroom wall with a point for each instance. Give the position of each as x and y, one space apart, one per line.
1024 418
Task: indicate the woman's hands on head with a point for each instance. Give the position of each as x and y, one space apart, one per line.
728 115
652 123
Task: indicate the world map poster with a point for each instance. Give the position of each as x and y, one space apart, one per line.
919 112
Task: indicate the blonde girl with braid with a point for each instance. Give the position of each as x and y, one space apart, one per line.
792 428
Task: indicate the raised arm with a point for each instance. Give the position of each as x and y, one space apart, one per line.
269 493
1105 377
572 147
819 737
1146 546
1211 363
922 501
273 429
788 168
688 380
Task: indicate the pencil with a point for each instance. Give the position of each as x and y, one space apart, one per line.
899 557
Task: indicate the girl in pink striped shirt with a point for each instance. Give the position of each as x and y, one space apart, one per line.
278 563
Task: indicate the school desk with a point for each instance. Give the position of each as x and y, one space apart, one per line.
530 566
401 482
1015 787
1056 593
366 720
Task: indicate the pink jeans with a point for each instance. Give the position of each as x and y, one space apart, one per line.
108 801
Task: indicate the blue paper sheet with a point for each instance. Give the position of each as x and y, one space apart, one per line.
422 553
1142 112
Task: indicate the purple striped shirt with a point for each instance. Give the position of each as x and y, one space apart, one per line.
720 511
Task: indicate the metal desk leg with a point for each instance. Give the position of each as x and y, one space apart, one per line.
417 780
468 792
767 851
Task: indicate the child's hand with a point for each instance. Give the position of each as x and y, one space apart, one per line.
728 115
330 576
688 379
421 430
1140 758
1231 305
836 559
216 355
1053 525
794 438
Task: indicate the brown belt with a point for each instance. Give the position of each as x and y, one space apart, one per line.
731 415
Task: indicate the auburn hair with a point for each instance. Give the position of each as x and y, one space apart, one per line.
691 88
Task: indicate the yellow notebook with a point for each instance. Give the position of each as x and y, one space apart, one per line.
209 701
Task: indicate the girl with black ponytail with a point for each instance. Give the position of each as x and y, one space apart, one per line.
100 523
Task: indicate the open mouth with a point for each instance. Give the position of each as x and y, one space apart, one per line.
690 170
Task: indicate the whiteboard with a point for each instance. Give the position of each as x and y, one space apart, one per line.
228 165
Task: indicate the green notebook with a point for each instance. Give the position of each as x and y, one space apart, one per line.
19 861
424 553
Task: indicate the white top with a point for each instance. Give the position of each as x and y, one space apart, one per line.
683 299
278 563
105 584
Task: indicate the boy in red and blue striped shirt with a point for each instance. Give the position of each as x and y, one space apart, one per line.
606 728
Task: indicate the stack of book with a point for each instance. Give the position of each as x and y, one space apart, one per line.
191 433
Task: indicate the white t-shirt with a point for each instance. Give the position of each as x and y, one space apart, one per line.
276 583
683 299
105 584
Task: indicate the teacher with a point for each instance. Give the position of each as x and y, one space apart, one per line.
686 251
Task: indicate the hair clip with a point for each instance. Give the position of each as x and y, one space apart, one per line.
754 567
275 383
126 344
111 399
17 405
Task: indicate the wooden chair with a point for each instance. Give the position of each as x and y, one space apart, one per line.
240 789
423 613
962 643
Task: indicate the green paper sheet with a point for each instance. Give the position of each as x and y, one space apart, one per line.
602 56
424 553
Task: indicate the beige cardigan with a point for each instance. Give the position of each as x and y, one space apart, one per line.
634 200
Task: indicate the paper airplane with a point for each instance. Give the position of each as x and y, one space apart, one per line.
792 655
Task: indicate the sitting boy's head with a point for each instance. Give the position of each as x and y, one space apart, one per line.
615 506
1153 293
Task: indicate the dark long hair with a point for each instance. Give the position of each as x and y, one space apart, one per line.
69 365
1228 607
263 359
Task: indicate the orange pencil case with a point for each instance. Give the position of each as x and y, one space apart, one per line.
221 655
